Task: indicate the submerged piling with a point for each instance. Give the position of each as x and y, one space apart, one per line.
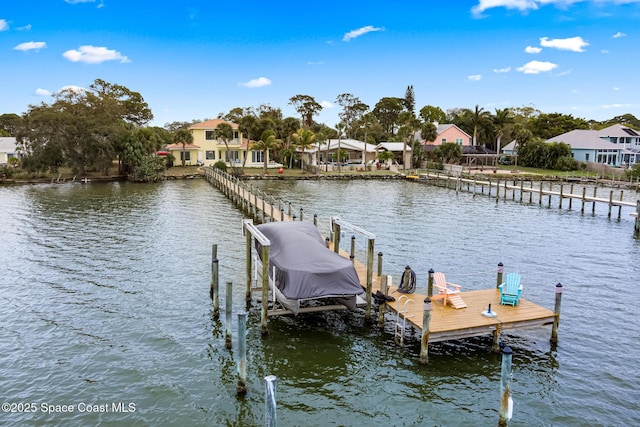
229 305
556 310
505 387
270 419
241 388
424 340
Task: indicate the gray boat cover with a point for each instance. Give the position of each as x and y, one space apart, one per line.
305 267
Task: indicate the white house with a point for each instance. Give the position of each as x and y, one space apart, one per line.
7 150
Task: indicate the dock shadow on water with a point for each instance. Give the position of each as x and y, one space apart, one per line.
105 298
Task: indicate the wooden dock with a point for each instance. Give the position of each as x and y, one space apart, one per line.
444 322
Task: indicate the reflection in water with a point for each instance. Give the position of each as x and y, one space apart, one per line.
105 296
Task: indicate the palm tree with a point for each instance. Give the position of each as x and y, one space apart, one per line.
247 125
479 118
385 156
184 137
304 138
224 131
500 121
268 141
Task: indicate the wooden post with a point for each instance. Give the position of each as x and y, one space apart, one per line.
474 186
289 212
550 190
241 388
584 193
336 237
281 214
379 264
499 276
540 199
424 341
381 308
301 213
430 282
593 208
248 266
521 190
636 228
270 419
610 203
505 387
371 242
315 219
570 198
214 288
556 310
228 310
496 337
620 206
497 189
561 195
327 242
531 192
352 254
264 312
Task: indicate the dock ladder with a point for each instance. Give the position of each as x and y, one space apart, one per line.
404 304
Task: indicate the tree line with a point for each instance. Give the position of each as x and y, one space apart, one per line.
88 129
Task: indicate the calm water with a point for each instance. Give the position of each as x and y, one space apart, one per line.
105 301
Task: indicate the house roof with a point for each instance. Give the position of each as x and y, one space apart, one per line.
212 124
8 144
392 146
584 139
346 144
618 131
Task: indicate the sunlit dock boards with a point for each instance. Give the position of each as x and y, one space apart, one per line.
448 323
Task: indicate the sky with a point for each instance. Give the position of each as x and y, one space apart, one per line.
194 59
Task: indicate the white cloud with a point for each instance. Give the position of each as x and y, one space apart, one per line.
618 35
30 46
537 67
73 88
502 70
574 44
259 82
327 104
360 31
525 5
25 28
4 25
94 55
42 92
532 49
606 106
616 88
474 77
605 51
315 63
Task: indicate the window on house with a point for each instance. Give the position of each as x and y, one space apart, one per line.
257 156
444 140
187 156
459 141
231 156
210 135
210 155
235 135
586 157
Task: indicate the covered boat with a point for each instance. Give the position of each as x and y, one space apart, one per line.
303 268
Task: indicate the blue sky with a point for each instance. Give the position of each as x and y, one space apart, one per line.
194 59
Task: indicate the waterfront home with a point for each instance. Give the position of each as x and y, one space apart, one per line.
7 150
616 145
357 152
397 148
447 133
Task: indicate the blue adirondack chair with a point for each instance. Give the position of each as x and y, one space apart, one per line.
510 290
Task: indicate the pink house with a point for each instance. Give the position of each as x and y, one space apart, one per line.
449 133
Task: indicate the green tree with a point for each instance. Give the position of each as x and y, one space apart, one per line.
307 107
409 100
428 131
248 125
352 110
500 120
429 113
9 123
81 128
268 141
387 111
340 127
304 138
547 126
224 131
184 137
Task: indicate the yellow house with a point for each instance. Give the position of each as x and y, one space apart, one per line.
208 149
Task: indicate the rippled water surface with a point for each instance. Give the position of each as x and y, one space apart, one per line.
105 301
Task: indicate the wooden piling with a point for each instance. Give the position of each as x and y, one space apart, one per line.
570 198
521 190
430 282
584 194
214 288
620 206
369 296
228 310
499 275
352 254
593 208
381 308
550 190
424 341
379 264
248 265
610 203
505 387
264 312
531 192
556 310
336 237
540 198
561 195
241 387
